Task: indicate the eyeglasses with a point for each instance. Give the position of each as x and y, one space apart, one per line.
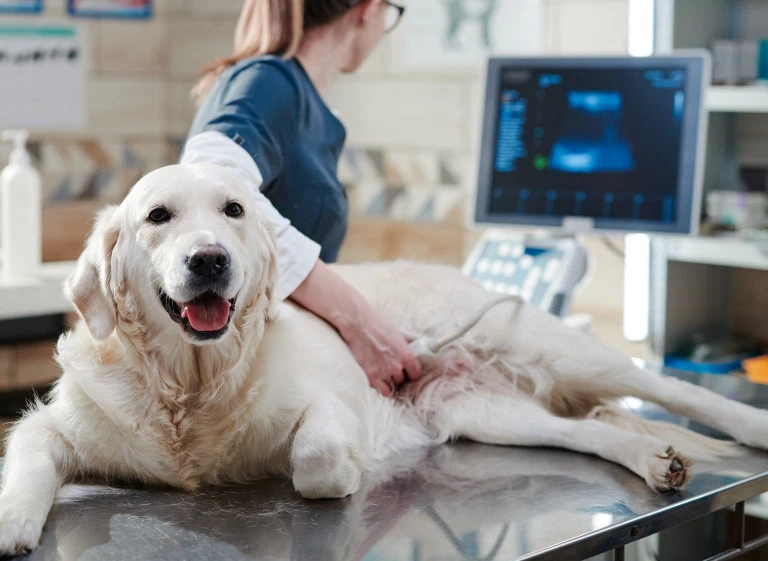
394 15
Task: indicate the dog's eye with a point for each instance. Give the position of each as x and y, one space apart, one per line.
159 215
233 210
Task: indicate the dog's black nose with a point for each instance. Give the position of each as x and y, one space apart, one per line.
208 260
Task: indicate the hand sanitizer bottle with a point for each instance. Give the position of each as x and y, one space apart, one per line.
20 214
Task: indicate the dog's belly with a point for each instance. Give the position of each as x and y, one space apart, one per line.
420 299
434 301
514 345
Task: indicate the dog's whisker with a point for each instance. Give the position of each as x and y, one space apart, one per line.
153 282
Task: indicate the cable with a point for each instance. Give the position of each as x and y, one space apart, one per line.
424 348
616 250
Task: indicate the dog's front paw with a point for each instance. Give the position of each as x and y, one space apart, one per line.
325 471
18 534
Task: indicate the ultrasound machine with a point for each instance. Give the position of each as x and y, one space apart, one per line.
575 146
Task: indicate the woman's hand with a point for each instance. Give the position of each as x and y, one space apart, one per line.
381 349
375 341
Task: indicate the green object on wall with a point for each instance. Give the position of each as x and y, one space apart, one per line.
460 12
541 162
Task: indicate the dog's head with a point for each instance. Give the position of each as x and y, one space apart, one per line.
186 253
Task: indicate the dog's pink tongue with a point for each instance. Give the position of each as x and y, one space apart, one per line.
210 314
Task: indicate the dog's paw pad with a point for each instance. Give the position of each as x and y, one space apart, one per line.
668 471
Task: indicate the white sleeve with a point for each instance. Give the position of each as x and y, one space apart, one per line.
297 254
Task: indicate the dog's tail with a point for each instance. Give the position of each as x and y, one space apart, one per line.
692 444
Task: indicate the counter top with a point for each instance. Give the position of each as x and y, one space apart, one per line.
462 501
43 297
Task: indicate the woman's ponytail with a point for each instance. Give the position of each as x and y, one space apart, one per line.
272 27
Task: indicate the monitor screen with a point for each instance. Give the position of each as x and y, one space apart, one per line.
610 140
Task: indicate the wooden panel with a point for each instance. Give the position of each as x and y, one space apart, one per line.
384 240
7 364
748 304
66 227
70 320
34 364
5 426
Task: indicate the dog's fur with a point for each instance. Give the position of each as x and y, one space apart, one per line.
142 398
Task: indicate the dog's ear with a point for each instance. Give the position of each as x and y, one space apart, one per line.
269 268
272 286
88 286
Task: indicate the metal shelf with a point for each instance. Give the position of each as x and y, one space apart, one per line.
728 252
738 99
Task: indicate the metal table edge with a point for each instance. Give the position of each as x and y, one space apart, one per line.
614 536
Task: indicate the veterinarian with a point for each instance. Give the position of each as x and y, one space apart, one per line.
262 114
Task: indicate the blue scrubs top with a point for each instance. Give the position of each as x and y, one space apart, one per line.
270 107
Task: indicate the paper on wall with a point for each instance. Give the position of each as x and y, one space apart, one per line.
42 76
463 33
131 9
21 6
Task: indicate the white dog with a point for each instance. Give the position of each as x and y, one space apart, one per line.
185 371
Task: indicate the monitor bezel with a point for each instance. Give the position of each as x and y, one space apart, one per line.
693 143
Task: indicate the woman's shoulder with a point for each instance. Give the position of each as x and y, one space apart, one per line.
281 75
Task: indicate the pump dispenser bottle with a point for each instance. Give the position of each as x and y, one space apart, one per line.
20 214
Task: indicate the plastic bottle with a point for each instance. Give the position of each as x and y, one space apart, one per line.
20 214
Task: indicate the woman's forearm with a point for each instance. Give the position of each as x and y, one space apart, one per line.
327 295
375 341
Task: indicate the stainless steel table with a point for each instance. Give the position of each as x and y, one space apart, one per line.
457 502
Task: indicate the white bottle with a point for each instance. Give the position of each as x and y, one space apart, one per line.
20 214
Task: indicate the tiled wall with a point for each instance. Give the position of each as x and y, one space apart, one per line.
412 134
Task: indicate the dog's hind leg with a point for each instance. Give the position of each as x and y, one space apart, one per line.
509 420
619 377
694 445
32 475
744 423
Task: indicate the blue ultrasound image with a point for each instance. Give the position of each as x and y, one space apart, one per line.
598 143
593 139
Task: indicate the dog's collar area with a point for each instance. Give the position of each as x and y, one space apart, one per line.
176 313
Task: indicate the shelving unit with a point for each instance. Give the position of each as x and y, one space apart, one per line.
706 285
738 99
695 24
700 284
725 252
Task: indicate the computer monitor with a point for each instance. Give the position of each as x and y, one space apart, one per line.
614 144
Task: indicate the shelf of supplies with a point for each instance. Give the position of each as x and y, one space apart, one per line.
738 99
44 297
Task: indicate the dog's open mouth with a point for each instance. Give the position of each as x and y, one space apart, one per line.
207 316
